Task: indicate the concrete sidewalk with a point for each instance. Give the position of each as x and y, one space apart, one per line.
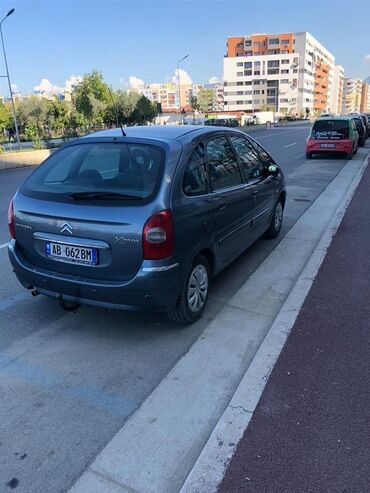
311 429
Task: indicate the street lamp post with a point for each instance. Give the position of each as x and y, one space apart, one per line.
8 77
179 83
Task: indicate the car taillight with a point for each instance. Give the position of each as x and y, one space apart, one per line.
11 220
158 236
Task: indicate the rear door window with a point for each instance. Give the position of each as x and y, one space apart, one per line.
222 164
132 170
252 165
195 176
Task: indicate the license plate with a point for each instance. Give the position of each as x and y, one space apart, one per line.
71 253
328 146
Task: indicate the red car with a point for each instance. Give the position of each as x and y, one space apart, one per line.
333 134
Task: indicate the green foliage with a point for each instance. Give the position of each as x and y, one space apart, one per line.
194 103
6 117
205 100
145 111
91 107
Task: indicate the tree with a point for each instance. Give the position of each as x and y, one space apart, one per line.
6 117
56 116
194 103
205 100
91 96
33 111
125 104
145 111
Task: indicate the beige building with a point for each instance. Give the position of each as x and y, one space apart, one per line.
352 93
337 90
365 98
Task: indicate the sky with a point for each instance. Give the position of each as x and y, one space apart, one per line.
141 40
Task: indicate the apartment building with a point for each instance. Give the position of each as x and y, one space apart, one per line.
288 73
337 92
365 98
352 93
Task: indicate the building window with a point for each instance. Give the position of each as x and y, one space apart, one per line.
284 41
248 65
256 101
239 74
285 71
248 93
257 72
284 100
270 92
257 43
295 71
239 93
248 101
239 83
274 41
247 72
285 61
239 64
263 91
284 81
272 83
256 82
256 91
248 82
272 71
239 102
271 100
273 64
248 42
257 64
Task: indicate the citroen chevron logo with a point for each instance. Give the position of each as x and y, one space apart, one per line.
66 228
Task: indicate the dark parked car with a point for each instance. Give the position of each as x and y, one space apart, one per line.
143 220
222 122
365 121
361 129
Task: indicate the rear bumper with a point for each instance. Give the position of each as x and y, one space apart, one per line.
149 290
340 146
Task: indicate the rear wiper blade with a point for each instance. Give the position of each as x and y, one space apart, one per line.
102 196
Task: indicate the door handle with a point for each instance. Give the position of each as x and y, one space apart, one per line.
255 192
222 206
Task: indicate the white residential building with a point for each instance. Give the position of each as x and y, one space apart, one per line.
287 73
337 92
352 95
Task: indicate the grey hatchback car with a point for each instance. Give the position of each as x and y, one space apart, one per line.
143 219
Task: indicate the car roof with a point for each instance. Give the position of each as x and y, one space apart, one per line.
345 118
160 132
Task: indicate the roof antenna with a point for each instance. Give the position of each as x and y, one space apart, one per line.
116 112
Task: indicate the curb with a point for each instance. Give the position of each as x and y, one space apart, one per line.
209 469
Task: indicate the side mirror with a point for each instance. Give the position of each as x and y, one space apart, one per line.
273 170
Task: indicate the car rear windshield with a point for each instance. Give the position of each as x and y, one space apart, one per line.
331 129
103 169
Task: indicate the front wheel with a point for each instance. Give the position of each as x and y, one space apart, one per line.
276 221
308 155
194 294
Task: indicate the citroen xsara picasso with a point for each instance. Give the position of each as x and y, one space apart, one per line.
143 219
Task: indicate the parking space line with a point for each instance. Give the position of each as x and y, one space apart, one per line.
4 245
290 145
45 378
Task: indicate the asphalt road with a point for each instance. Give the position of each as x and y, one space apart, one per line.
68 382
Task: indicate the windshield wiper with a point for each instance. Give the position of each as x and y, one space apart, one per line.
103 196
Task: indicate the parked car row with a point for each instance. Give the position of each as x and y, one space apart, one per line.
344 134
142 219
222 122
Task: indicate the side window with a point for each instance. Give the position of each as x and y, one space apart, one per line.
195 177
252 165
264 155
222 164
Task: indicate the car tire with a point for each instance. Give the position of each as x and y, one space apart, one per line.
308 155
276 220
193 295
349 155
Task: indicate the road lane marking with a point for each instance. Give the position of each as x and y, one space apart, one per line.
290 145
58 384
4 245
